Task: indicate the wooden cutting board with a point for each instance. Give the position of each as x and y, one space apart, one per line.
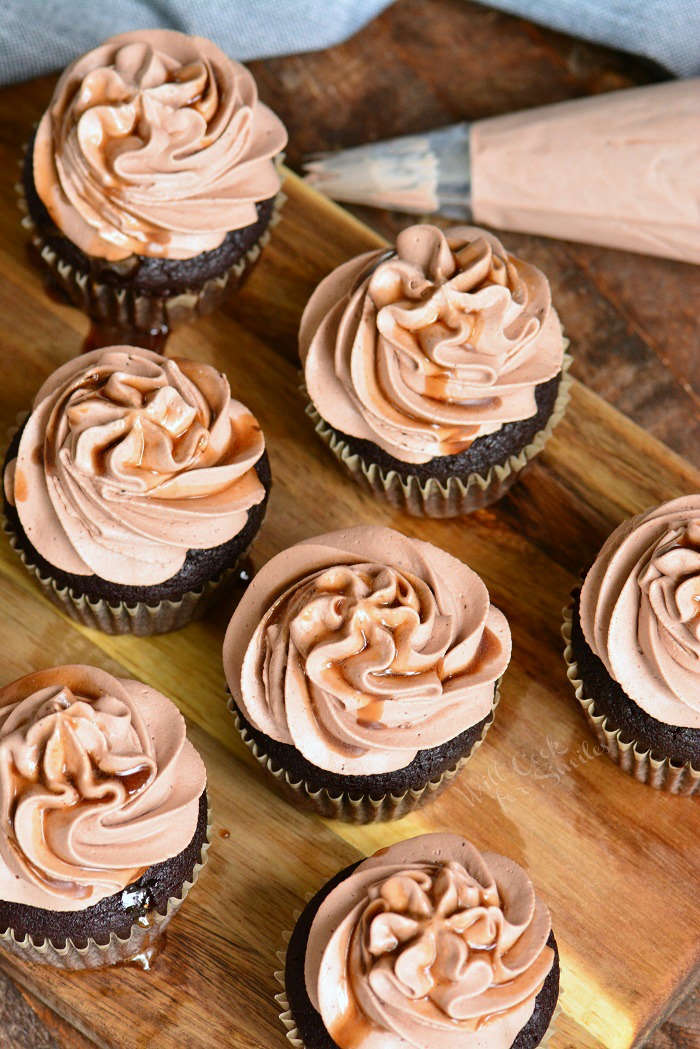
618 863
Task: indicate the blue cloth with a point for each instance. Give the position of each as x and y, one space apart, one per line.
666 30
38 36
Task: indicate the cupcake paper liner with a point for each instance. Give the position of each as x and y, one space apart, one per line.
141 619
135 948
630 755
130 310
363 809
433 497
287 1018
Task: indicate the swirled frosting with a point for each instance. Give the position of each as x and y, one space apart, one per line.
426 348
429 944
640 610
97 783
362 647
155 144
130 459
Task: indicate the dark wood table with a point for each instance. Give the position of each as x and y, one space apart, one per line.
632 320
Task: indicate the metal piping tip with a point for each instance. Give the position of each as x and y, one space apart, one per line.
415 173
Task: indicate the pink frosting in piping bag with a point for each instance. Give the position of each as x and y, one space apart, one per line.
640 610
128 460
155 143
97 783
425 349
362 647
429 944
619 168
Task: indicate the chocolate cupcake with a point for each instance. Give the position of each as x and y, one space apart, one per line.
151 179
363 670
633 646
435 371
428 943
104 817
134 487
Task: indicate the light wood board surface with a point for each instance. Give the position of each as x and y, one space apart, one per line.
616 862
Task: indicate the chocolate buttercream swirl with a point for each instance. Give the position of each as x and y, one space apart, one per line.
97 783
425 350
640 610
362 647
429 944
130 459
155 144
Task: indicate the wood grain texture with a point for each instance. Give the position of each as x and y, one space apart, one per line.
26 1023
602 849
20 1026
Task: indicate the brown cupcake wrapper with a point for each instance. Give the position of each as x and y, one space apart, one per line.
136 948
629 755
455 496
289 1024
363 809
130 310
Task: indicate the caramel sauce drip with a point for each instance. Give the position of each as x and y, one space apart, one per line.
101 335
146 958
371 714
135 780
453 441
435 386
21 487
99 456
488 648
132 781
352 1027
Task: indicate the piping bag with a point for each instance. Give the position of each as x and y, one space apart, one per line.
620 169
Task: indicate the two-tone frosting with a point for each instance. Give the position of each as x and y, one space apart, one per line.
128 460
429 944
423 349
362 647
640 610
155 143
97 783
